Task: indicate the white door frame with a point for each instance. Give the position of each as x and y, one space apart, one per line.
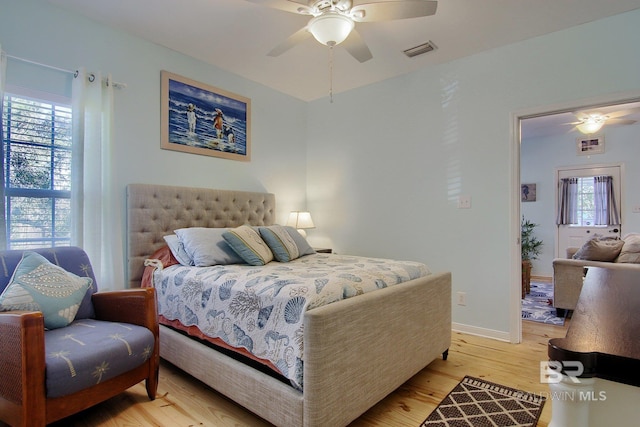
515 309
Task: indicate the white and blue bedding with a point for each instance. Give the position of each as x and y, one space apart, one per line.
261 309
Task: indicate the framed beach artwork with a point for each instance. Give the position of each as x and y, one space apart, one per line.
201 119
590 144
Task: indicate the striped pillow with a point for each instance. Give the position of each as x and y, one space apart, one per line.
282 245
247 243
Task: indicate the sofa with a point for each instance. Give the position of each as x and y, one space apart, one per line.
569 272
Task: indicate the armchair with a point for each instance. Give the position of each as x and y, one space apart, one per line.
49 374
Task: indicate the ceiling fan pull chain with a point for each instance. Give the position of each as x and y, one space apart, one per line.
331 74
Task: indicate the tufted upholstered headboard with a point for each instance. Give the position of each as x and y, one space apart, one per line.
153 211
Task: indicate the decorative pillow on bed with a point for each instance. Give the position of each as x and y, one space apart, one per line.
177 249
249 245
303 246
280 242
600 249
38 285
285 242
206 246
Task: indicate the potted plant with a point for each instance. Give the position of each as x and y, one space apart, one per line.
530 247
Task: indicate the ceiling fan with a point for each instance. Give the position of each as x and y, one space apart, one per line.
333 21
592 121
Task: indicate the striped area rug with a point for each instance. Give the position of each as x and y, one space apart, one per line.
478 403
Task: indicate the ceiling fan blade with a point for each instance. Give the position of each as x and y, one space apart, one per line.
581 115
622 113
355 45
620 122
297 37
286 5
391 10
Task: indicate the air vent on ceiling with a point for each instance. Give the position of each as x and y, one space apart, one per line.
420 49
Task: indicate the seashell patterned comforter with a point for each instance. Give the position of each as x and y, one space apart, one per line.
261 309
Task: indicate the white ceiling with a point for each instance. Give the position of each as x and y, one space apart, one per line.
235 35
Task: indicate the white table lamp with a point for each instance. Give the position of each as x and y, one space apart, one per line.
301 221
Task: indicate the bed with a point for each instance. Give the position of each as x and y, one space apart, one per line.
347 368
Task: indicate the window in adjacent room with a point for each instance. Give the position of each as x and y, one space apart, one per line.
36 140
589 201
585 202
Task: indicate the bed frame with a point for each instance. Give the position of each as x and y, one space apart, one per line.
413 320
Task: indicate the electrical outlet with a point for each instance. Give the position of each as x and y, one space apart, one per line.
635 209
462 298
464 202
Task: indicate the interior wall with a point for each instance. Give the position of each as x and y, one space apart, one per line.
38 31
541 157
388 161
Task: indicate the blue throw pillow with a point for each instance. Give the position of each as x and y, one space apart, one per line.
249 245
303 246
282 245
38 285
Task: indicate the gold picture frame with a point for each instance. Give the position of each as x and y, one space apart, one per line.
201 119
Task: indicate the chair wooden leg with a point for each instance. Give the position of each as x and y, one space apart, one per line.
152 383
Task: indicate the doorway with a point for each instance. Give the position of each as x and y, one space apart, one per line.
538 125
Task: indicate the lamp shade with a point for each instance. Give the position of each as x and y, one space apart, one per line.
331 28
300 220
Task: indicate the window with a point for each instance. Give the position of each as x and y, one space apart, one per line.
589 201
37 167
585 202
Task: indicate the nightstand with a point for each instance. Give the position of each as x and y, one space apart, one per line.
323 250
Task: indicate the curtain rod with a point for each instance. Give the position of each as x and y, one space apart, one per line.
39 64
115 84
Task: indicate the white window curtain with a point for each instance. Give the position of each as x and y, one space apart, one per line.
606 209
96 227
567 203
3 222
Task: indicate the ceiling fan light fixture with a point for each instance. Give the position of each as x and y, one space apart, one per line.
331 28
591 124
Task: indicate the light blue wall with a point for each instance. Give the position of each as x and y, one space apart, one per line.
387 162
37 31
541 157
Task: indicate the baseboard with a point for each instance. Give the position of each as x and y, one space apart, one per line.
545 279
481 332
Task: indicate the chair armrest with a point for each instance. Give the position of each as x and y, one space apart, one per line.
581 263
22 364
136 306
571 251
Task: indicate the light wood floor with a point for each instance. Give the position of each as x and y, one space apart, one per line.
183 401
